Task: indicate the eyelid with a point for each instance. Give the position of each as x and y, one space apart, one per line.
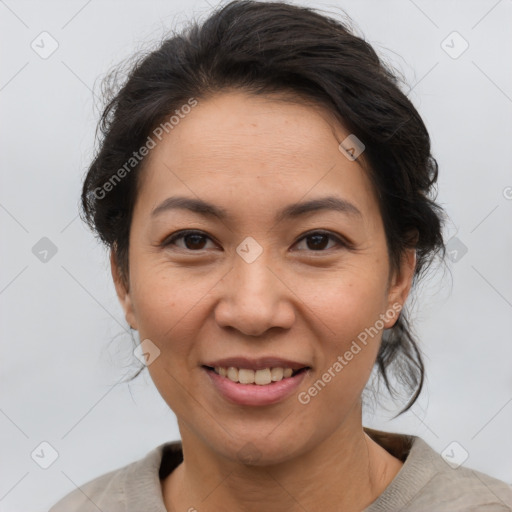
339 239
181 234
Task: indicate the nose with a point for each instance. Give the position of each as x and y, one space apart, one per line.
254 298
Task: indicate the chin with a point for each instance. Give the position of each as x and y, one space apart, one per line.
261 450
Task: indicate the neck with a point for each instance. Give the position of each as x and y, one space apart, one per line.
348 471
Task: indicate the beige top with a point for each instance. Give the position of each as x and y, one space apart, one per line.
424 483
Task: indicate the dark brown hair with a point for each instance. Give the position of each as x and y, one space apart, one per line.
274 47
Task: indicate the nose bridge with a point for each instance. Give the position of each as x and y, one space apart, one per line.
253 299
251 274
254 278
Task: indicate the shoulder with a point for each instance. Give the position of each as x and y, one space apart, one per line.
427 482
118 490
105 491
460 488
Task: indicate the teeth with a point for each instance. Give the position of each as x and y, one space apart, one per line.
287 372
276 374
259 377
263 377
245 376
232 374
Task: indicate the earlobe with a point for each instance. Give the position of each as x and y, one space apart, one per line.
122 291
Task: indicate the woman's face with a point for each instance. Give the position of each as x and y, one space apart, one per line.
251 284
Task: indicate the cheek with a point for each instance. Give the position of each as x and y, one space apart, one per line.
347 308
167 303
346 302
348 314
165 296
160 304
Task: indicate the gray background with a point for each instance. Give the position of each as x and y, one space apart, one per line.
64 341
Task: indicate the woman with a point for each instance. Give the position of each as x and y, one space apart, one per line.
264 188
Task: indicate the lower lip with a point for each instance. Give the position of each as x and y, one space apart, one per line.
255 394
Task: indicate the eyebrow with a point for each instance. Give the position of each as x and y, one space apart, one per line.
291 211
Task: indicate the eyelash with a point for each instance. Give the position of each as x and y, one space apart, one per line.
182 234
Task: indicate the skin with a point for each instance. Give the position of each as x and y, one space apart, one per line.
253 155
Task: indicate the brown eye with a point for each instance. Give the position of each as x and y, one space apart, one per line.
318 241
192 240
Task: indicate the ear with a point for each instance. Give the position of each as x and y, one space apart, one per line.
400 285
122 291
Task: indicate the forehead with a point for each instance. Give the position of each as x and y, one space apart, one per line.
260 127
255 144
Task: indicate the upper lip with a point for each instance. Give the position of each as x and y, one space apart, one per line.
257 363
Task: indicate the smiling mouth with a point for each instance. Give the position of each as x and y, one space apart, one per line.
262 377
